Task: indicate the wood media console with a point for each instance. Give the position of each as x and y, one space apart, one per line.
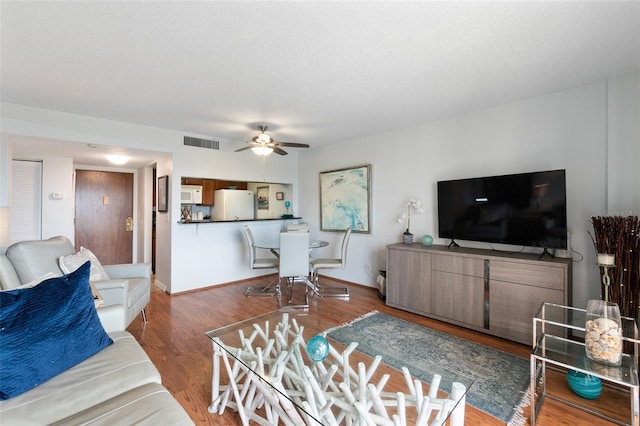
489 291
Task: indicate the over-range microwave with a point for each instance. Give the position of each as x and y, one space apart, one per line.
191 194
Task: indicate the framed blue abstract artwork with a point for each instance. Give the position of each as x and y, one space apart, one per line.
345 199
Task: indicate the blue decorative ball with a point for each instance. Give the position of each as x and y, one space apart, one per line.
427 240
317 348
584 385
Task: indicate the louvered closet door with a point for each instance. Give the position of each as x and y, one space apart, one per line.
25 211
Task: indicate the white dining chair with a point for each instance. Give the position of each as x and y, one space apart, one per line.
261 263
340 263
294 262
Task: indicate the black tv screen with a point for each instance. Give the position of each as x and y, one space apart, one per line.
528 209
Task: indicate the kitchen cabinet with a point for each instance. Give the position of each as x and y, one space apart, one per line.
484 290
208 189
225 184
209 186
191 181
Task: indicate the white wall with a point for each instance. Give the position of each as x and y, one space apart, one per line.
57 176
164 167
565 130
209 254
623 156
276 207
57 215
182 258
144 220
5 195
591 131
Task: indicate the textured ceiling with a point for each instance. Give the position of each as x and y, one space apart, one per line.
315 72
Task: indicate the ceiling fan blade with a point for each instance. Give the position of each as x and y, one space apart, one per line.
292 144
279 151
243 148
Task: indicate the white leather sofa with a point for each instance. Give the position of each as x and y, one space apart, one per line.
129 285
117 385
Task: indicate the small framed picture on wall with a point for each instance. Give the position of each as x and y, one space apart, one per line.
263 197
279 196
163 193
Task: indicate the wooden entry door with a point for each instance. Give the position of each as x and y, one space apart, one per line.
104 215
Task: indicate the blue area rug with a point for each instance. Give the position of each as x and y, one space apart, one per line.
500 380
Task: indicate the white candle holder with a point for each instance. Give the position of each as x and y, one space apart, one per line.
605 259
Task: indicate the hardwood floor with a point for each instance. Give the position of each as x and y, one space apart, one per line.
174 340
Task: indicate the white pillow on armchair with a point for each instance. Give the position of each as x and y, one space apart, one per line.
72 262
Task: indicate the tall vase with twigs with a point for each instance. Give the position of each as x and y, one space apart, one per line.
616 241
619 237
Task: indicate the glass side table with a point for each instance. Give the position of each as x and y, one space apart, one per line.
558 333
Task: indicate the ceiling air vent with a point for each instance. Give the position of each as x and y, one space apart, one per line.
202 143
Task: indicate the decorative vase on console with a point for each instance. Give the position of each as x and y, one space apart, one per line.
603 332
407 236
603 328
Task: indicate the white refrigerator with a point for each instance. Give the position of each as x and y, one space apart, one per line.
233 204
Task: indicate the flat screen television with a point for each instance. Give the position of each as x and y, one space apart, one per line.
528 209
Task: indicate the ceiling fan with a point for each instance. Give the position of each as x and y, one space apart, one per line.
263 144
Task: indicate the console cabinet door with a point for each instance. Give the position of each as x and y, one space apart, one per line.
409 280
513 307
458 297
516 292
457 289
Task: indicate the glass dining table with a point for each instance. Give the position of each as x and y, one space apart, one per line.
273 245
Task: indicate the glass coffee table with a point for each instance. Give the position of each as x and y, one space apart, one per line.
262 370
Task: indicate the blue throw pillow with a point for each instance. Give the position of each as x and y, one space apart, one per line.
47 329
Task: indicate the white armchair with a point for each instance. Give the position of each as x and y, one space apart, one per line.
128 285
126 293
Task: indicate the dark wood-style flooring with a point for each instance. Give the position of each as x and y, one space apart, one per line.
175 341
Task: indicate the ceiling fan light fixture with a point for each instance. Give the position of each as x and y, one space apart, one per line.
263 138
262 150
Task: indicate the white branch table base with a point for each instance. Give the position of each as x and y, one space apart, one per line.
271 380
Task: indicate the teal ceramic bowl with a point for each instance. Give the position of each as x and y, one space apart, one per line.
584 385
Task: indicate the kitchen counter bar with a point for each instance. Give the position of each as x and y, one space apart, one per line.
192 222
